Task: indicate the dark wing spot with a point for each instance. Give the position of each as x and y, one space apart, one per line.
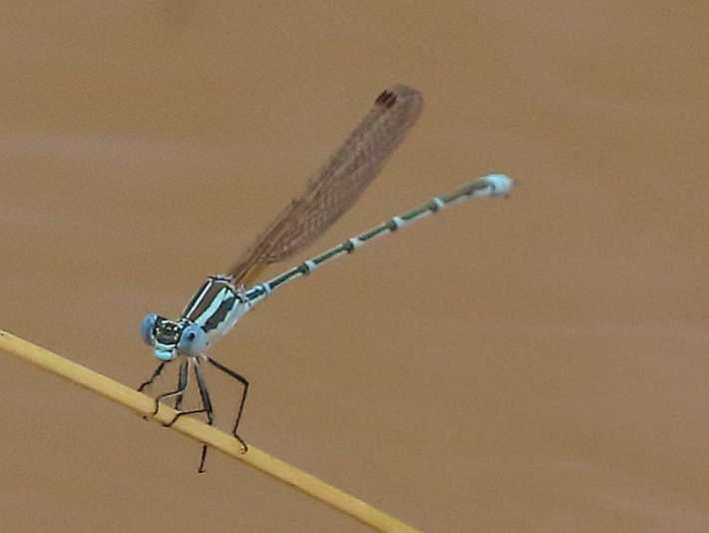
386 98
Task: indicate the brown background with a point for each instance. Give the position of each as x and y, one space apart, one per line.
535 364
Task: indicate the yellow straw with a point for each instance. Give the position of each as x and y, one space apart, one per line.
202 432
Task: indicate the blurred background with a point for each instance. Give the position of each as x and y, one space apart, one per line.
532 364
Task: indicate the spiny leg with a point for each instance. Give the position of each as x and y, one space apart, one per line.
152 378
178 401
206 408
245 383
181 386
180 397
207 403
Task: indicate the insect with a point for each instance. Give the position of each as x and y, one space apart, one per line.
224 298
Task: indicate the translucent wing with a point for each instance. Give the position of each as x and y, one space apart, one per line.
337 185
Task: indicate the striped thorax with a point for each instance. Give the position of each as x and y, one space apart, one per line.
213 311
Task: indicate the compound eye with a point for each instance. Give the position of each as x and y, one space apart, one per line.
147 328
193 340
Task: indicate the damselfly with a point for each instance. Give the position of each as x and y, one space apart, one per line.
223 299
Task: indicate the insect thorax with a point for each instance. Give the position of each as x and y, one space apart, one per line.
216 306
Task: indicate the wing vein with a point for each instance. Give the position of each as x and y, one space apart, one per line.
337 185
